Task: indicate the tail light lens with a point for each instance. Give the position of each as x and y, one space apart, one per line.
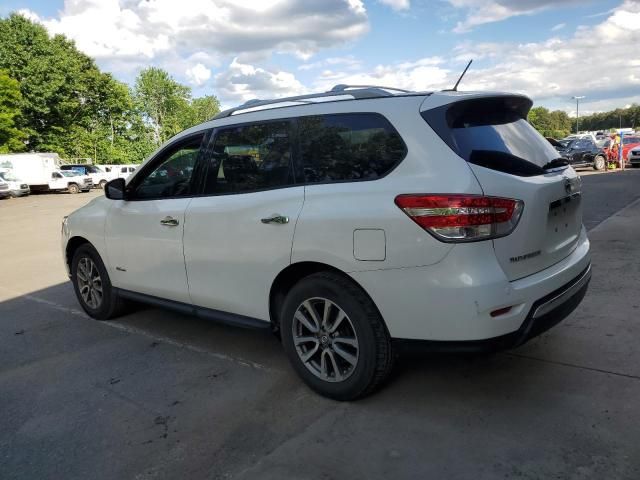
462 218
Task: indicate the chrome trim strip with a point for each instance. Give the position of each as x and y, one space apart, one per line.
563 296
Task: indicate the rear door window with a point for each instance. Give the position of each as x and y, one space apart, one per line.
249 158
348 147
494 133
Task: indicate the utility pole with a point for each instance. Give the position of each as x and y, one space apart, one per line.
577 99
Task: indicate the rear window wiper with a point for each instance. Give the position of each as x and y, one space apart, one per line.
556 163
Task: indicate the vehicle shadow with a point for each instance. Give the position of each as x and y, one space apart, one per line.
57 307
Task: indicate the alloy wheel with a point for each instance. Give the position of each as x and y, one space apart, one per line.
89 283
325 339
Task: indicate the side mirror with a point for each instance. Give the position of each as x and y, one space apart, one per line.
115 189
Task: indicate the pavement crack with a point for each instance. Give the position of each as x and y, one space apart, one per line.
573 365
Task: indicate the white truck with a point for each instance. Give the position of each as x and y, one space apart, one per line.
99 176
41 172
123 171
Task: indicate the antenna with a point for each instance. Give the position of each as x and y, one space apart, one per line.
455 87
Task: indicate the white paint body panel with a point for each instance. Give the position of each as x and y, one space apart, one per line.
232 257
150 253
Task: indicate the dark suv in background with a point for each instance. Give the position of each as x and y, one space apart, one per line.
583 152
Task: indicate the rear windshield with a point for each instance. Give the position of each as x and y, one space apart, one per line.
494 133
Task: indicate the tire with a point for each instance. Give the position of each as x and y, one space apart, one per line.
102 184
359 336
73 188
599 163
110 304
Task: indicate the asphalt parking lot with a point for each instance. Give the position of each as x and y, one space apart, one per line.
158 395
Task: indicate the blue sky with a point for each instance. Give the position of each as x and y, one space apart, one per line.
239 50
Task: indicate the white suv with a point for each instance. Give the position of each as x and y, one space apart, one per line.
348 222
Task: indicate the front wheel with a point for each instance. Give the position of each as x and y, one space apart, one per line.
73 188
599 163
335 337
92 285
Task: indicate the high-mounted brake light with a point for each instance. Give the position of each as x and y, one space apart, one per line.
462 218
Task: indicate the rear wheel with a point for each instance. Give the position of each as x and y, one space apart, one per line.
335 338
92 285
102 184
73 188
599 163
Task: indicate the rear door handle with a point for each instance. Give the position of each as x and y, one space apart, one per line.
169 222
275 218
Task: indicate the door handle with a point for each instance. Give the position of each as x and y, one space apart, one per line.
275 218
169 222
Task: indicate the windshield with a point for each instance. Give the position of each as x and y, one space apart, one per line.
630 140
8 177
494 133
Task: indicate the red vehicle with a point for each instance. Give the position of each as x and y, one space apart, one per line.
629 142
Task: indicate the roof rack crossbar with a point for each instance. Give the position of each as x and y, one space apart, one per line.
354 91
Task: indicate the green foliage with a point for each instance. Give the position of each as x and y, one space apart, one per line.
11 138
556 124
65 104
620 117
163 102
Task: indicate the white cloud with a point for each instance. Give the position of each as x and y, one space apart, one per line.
397 4
557 27
242 82
198 74
348 62
597 62
480 12
114 29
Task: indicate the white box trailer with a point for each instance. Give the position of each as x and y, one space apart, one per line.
42 173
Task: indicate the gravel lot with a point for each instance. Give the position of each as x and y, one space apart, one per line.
160 395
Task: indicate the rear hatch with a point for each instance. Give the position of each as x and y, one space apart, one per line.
511 159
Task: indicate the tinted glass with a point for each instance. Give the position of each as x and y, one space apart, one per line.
493 133
250 157
172 176
630 140
358 146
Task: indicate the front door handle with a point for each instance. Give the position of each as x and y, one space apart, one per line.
169 222
275 218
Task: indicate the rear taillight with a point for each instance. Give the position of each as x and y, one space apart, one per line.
462 218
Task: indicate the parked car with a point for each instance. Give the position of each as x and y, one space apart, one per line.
98 176
123 171
73 179
583 152
349 222
17 187
5 192
41 172
634 157
629 142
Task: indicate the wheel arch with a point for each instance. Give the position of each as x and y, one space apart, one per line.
72 246
291 275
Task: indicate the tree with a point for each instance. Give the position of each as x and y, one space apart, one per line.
11 138
556 124
163 102
202 109
65 104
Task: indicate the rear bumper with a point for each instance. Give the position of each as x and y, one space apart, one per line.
543 315
452 300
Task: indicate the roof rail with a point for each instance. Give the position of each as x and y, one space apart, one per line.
354 92
342 87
